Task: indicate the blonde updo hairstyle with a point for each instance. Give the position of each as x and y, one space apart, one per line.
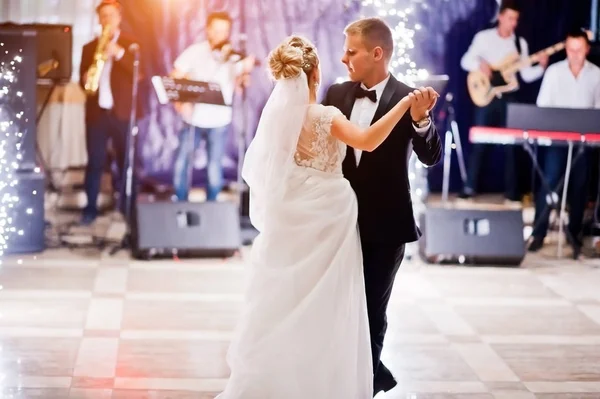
293 56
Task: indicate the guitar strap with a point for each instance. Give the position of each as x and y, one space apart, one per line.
518 44
510 96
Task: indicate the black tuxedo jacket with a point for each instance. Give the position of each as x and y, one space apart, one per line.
381 183
121 81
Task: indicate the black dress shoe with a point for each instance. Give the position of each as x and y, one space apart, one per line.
536 244
384 386
466 194
575 244
87 219
576 251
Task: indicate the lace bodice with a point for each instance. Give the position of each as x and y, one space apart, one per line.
317 148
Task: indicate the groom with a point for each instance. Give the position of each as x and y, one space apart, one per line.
380 178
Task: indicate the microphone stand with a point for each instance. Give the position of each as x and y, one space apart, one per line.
452 137
242 136
130 155
248 231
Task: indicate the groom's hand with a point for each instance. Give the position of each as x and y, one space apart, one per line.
424 101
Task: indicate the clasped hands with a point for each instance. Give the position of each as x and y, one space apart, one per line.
421 101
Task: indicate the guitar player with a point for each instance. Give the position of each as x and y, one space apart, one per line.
211 60
490 47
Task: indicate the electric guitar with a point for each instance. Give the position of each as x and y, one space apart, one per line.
483 89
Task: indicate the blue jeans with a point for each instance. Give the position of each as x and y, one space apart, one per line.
189 140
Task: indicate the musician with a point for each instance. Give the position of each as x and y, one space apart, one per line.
571 83
212 60
107 111
490 47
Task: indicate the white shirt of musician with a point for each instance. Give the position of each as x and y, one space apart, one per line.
105 96
561 89
489 46
199 62
364 110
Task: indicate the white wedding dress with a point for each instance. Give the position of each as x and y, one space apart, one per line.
304 332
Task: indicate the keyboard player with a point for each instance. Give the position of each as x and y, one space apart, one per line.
571 83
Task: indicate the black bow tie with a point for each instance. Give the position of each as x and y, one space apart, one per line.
370 94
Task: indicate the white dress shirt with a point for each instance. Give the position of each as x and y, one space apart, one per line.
561 89
199 62
364 110
490 47
105 96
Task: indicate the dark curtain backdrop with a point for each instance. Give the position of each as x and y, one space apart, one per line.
164 28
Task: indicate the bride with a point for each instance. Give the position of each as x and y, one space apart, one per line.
304 332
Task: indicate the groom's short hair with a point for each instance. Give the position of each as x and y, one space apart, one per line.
374 32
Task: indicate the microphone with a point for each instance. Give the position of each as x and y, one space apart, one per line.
135 49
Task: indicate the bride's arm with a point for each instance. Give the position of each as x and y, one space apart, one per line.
370 138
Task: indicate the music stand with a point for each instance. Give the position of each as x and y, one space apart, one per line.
169 89
528 117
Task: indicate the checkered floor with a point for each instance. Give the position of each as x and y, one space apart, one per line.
82 324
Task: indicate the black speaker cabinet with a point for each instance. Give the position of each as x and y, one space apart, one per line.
54 49
18 63
472 236
202 229
27 214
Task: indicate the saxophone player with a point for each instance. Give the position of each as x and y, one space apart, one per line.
106 75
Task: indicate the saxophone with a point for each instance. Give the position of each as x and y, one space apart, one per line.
92 80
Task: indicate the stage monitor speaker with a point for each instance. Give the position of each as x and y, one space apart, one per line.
18 95
54 49
472 236
202 229
27 214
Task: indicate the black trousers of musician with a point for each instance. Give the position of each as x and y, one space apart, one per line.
381 263
98 134
554 161
493 115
